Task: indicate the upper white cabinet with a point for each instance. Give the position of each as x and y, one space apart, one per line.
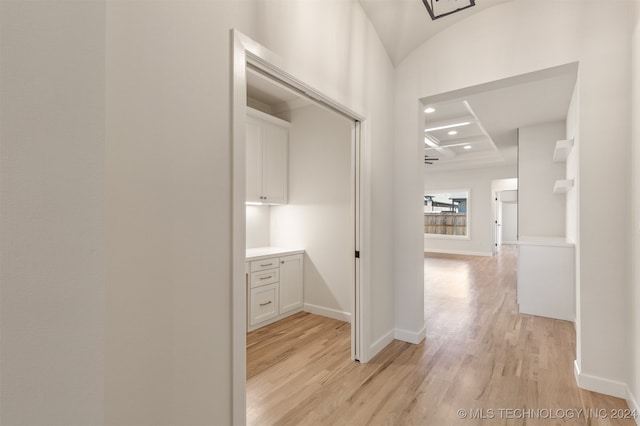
267 158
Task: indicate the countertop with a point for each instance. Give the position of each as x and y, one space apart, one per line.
264 252
545 241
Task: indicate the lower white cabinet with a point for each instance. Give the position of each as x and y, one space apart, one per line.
274 289
546 278
291 283
264 303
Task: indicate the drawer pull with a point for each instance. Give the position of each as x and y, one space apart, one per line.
266 278
262 265
266 303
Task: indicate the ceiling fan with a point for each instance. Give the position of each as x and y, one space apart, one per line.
429 160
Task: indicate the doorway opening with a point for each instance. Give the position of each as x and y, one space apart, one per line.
253 62
505 214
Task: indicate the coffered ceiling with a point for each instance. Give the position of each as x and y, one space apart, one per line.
486 118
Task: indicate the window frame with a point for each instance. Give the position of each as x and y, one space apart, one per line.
468 214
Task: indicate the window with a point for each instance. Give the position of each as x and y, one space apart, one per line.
446 214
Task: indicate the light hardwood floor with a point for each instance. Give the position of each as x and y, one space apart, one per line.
480 356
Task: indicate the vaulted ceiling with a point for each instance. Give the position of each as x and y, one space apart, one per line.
403 25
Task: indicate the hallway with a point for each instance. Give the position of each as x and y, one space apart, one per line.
481 363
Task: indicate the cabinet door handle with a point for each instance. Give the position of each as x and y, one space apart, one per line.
266 278
262 265
266 303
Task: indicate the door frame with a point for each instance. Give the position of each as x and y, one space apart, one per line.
246 52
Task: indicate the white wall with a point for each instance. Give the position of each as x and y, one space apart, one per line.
258 226
318 216
168 354
508 40
509 226
635 225
542 213
52 212
481 206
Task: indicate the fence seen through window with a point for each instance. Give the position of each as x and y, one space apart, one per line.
446 213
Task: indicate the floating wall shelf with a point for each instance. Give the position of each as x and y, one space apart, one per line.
562 186
562 150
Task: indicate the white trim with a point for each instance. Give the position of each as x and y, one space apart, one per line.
238 231
327 312
447 237
509 243
599 384
381 343
410 336
633 405
463 252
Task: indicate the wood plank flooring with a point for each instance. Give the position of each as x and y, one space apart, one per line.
480 356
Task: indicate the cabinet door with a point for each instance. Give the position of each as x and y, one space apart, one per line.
263 303
254 161
275 164
291 283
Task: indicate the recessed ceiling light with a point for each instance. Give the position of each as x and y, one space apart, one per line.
448 126
453 132
429 110
467 147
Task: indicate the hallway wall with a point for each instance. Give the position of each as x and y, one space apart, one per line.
634 303
52 178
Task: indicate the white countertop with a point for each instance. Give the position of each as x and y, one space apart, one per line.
545 241
263 252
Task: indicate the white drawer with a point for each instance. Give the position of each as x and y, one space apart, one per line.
264 304
261 265
268 276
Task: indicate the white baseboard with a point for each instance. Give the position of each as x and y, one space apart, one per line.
463 252
410 336
380 344
327 312
600 384
633 405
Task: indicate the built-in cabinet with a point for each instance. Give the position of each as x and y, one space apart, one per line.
275 288
267 158
546 277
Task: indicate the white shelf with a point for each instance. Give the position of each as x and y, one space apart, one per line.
562 186
562 150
